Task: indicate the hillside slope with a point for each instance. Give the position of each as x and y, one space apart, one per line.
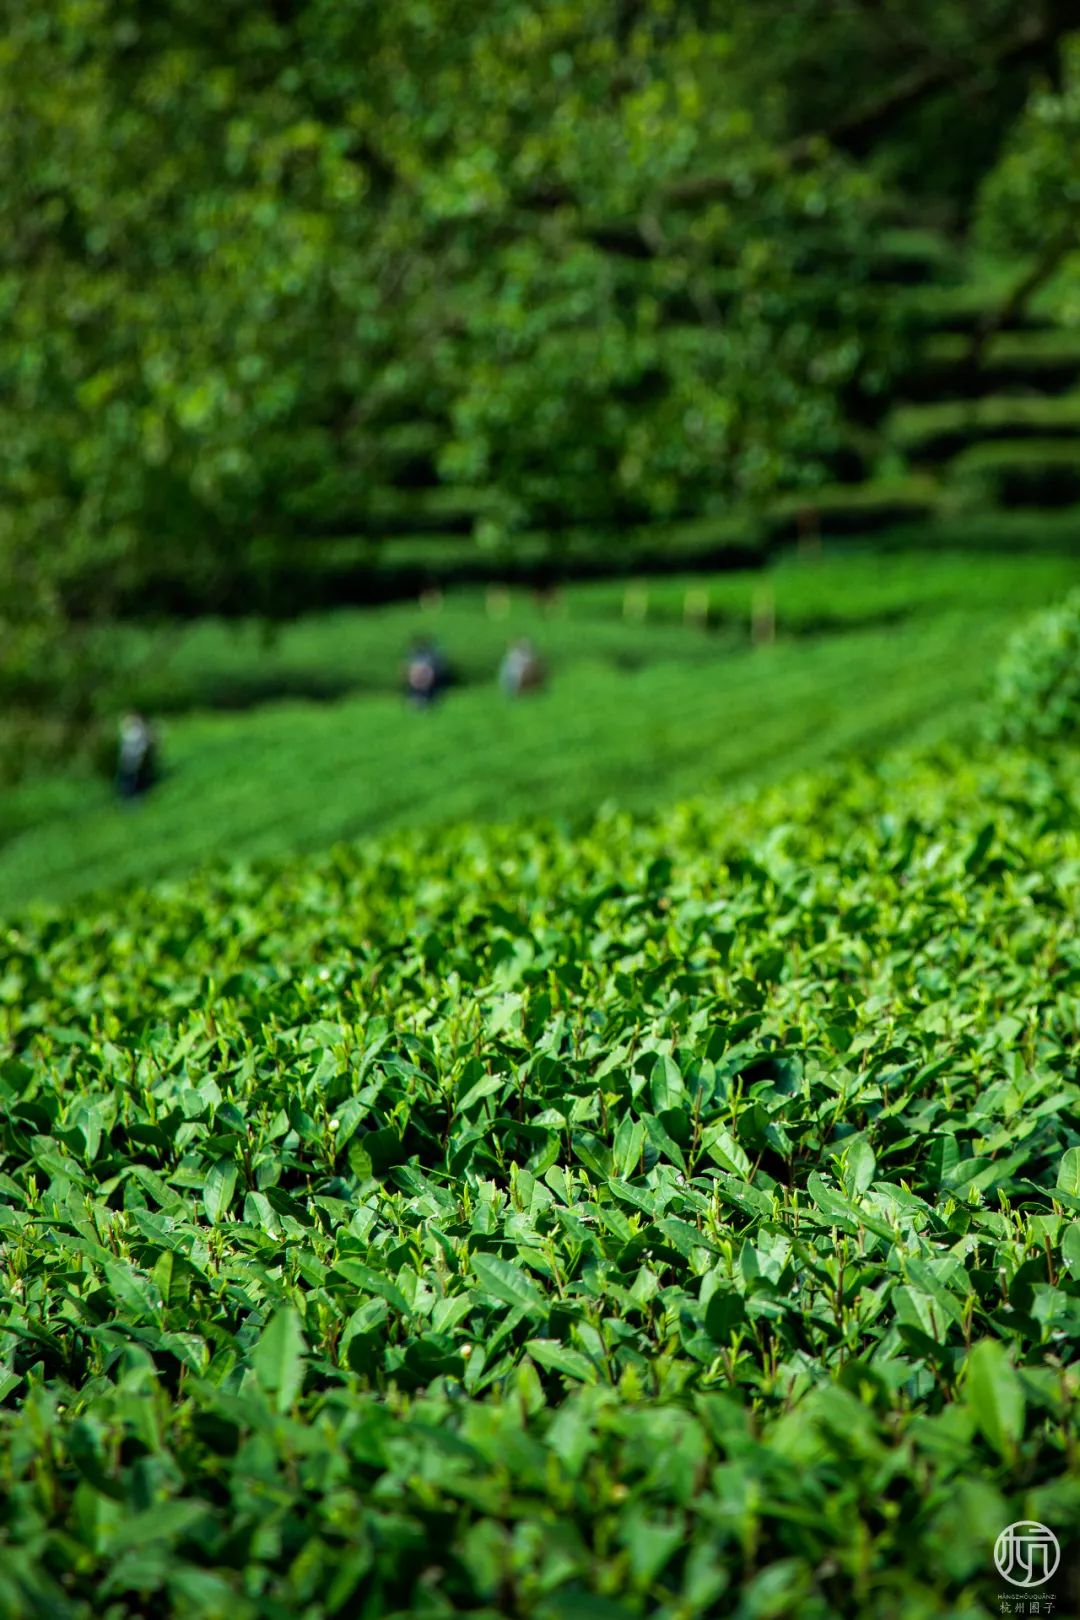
677 1220
309 741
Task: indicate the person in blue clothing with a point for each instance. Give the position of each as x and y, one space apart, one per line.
427 673
136 762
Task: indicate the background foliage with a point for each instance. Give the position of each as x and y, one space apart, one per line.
238 249
269 273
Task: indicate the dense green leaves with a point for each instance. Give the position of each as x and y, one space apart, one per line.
676 1216
1036 694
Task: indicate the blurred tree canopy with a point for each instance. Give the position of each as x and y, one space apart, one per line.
1029 204
604 260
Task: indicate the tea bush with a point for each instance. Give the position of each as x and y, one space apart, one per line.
677 1221
1036 694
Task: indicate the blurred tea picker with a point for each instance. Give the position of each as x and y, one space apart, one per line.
522 669
136 757
427 673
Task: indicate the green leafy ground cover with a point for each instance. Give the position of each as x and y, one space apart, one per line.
678 1220
870 649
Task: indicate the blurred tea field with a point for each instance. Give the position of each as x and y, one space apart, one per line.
290 740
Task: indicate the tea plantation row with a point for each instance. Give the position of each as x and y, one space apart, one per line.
871 649
679 1221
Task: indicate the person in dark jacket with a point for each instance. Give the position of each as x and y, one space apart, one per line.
427 673
136 761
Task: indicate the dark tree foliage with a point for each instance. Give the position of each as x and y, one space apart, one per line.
262 267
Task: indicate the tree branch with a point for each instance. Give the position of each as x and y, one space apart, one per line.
857 130
1060 244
